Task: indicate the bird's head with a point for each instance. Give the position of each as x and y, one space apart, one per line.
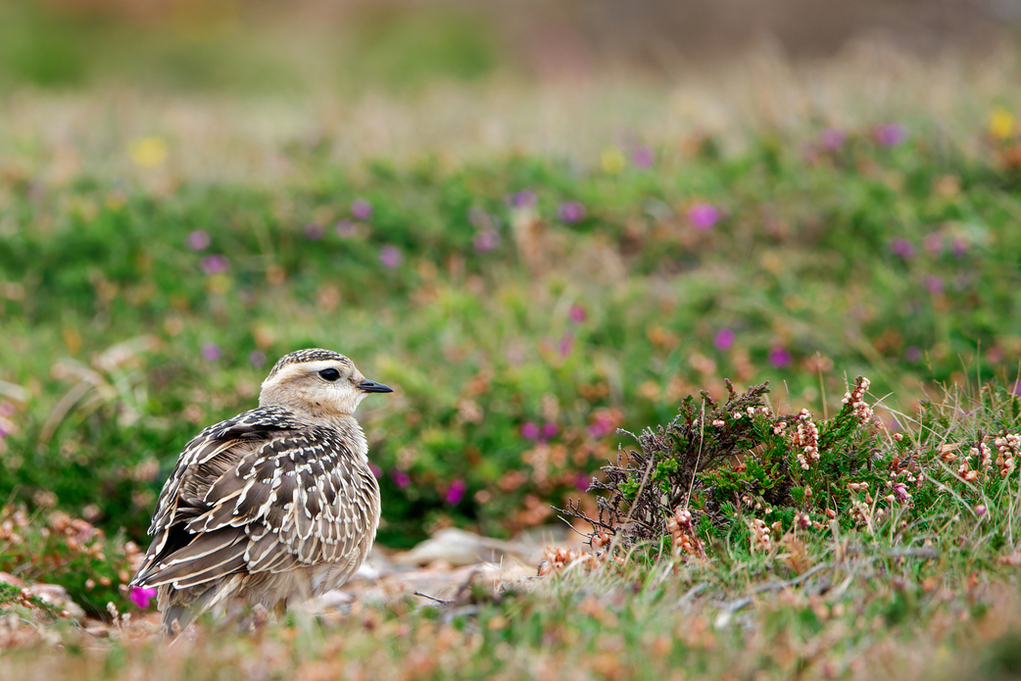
317 382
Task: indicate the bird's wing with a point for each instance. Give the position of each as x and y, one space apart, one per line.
259 493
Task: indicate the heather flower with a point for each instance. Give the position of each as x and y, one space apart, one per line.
361 209
400 478
314 231
566 346
571 212
703 216
377 472
530 431
581 482
550 430
576 314
958 246
890 134
199 240
912 353
257 358
390 256
980 510
643 157
141 597
214 264
724 339
832 139
211 352
486 241
903 248
934 284
346 229
779 357
525 198
455 492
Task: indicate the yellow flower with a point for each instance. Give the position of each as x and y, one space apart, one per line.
613 161
1001 123
148 152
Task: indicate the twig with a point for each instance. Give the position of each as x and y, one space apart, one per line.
433 598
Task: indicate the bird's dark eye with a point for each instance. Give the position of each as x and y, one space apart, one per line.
330 374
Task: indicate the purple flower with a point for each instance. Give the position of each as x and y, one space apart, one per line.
530 431
703 216
346 229
314 231
400 478
933 243
455 492
211 352
581 482
980 509
903 248
377 472
958 246
934 284
643 156
571 212
912 353
214 264
486 241
832 139
566 346
890 134
199 240
724 339
779 357
3 432
901 491
525 198
257 358
361 209
550 430
576 314
390 256
141 597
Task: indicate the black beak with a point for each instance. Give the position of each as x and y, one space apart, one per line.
373 387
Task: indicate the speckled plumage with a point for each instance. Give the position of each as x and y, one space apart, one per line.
273 506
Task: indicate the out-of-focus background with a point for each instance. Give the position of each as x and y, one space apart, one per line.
538 221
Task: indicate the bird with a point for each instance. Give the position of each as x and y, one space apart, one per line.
272 507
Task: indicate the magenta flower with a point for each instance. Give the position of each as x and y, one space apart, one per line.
576 314
525 198
566 346
571 212
211 352
958 246
3 432
912 353
199 240
346 229
314 231
377 472
934 284
141 597
390 256
643 157
780 358
549 430
581 482
890 134
486 241
530 431
832 139
601 426
400 478
724 339
455 492
901 491
361 209
214 264
703 216
903 248
257 358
